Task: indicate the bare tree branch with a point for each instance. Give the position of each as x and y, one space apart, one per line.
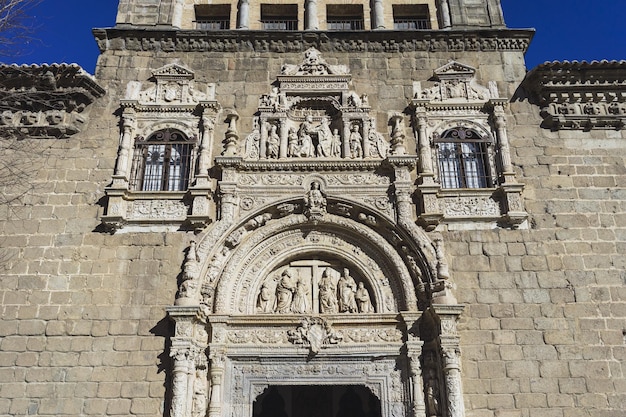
16 25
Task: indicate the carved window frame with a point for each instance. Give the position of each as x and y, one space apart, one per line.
171 103
457 101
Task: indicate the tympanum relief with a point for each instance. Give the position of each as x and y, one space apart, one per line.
306 287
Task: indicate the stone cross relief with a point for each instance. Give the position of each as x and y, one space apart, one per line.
313 287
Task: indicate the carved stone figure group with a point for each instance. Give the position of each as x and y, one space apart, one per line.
311 140
292 295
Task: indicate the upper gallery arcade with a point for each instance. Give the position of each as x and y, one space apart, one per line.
313 15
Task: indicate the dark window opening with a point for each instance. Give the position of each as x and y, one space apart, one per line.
411 16
162 162
279 16
344 17
213 16
463 159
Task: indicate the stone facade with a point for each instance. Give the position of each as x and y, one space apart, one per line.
394 223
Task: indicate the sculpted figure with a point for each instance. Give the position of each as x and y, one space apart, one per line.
328 293
306 142
347 290
293 147
300 303
355 140
335 145
273 143
284 292
199 395
325 138
363 299
315 200
265 302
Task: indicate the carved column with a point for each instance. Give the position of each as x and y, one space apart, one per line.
229 202
244 14
177 13
397 135
311 21
232 137
263 141
123 155
346 138
426 163
188 351
379 15
366 139
284 132
447 316
414 351
216 375
444 14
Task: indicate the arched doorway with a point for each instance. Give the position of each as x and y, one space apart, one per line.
317 401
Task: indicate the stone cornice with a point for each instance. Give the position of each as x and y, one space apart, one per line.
45 100
144 39
579 95
299 165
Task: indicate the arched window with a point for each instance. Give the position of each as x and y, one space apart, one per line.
462 156
163 161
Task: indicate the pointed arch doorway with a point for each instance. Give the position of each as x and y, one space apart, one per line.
316 401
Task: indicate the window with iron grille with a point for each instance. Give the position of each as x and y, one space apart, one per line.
163 162
344 17
411 17
213 16
279 16
463 160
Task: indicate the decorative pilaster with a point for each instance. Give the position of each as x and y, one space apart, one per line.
284 138
216 375
189 370
346 138
209 115
366 135
448 340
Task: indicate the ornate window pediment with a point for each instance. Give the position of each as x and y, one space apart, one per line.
161 174
465 169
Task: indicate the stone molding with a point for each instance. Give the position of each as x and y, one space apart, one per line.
45 100
140 39
580 95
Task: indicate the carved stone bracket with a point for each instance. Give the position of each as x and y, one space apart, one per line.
580 95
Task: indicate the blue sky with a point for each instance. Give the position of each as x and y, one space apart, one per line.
566 30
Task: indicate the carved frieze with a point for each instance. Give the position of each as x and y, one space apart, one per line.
471 207
281 42
157 210
580 95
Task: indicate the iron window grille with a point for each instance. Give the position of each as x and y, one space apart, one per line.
280 24
163 162
213 24
345 23
411 24
463 159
